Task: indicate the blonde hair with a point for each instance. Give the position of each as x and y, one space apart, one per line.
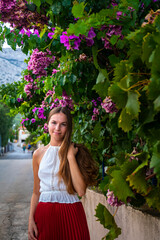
87 165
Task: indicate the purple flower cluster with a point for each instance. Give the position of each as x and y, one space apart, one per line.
19 99
70 42
24 120
50 34
28 78
108 105
45 127
111 30
89 38
73 42
54 71
19 16
112 200
40 112
30 89
39 61
95 109
28 32
95 114
48 94
64 101
33 120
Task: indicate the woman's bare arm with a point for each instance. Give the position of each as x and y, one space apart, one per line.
32 228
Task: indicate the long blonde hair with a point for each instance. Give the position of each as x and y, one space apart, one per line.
87 165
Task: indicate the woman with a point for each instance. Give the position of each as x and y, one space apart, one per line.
61 172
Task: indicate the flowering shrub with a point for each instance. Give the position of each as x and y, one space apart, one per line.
85 53
18 15
39 61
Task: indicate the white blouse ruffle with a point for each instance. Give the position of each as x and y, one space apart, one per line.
51 190
58 196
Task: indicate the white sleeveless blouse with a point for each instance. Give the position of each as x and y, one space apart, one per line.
51 190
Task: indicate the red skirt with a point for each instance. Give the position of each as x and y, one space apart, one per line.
61 221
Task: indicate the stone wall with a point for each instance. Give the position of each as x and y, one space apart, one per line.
135 224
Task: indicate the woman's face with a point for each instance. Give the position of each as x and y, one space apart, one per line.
57 126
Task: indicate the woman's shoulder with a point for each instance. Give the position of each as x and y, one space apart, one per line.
38 153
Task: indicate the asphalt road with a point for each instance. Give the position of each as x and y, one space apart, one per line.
16 183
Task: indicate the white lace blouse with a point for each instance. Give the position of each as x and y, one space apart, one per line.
50 189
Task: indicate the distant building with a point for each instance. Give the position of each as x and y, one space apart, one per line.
22 135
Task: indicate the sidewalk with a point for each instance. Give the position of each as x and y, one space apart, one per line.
16 183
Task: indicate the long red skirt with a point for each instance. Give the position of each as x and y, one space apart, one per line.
61 221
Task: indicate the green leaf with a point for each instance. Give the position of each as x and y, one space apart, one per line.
157 104
49 1
78 9
157 22
113 60
155 160
31 7
133 105
154 87
137 181
78 28
131 3
100 78
73 78
125 82
153 198
125 121
95 53
37 2
102 88
56 8
58 90
121 70
48 83
155 61
97 130
107 220
128 167
118 95
147 48
120 187
144 156
114 39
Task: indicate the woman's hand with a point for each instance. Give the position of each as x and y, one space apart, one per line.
32 230
72 151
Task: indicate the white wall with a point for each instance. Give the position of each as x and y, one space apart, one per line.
135 225
22 135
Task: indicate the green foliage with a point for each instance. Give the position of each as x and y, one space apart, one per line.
107 220
6 124
121 190
155 160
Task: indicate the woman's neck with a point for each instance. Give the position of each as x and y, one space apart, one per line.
51 143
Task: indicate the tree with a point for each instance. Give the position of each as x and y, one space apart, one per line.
6 124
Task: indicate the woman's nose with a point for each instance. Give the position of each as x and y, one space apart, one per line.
57 127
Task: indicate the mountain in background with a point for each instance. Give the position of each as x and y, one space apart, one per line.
11 65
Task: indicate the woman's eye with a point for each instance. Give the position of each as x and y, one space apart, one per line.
64 124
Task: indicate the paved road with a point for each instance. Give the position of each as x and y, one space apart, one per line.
16 182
